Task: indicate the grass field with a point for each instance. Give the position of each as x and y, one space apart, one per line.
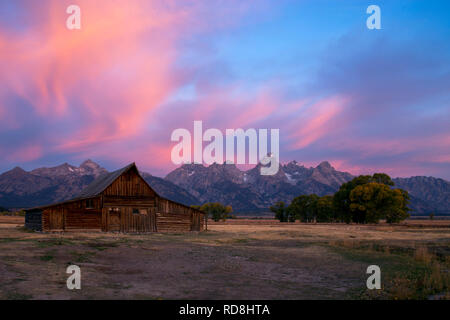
239 259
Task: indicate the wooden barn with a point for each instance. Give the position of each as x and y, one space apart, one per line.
120 201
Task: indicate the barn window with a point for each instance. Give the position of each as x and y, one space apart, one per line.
139 211
89 204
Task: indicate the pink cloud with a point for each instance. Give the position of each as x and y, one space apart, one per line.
112 74
316 121
25 153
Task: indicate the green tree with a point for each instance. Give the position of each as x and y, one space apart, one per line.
216 210
325 209
382 178
279 209
304 208
399 210
373 201
342 201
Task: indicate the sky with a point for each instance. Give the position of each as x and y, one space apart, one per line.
365 100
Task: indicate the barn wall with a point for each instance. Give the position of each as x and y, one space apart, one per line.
129 192
82 214
174 217
33 220
129 184
173 222
77 219
145 221
129 201
166 216
122 219
53 219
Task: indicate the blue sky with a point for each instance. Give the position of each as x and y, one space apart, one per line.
365 100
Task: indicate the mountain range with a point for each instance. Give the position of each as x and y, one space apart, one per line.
246 191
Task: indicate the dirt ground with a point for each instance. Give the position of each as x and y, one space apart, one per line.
248 259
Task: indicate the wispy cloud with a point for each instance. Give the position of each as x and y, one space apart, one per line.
137 70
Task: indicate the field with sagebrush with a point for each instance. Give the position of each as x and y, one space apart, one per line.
238 259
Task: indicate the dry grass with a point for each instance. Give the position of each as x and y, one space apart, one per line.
422 254
231 261
417 274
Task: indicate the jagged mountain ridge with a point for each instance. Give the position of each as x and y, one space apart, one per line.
22 189
247 191
427 194
19 188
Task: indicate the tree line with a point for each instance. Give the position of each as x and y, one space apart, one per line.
365 199
215 210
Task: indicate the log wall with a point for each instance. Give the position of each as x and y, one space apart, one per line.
81 214
124 220
174 217
129 184
173 222
33 220
78 219
129 201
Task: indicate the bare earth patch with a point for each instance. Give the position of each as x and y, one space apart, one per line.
229 261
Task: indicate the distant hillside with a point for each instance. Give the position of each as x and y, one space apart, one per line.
22 189
428 194
19 188
246 191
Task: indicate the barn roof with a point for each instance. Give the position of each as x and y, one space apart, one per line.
97 186
102 182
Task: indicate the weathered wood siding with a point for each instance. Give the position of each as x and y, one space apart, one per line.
83 219
144 221
33 220
81 214
129 184
53 219
124 220
173 222
130 201
174 217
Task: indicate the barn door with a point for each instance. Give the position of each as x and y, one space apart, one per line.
56 219
143 220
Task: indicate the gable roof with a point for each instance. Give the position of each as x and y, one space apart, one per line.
102 182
